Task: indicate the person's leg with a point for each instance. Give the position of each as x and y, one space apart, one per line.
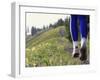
74 35
83 31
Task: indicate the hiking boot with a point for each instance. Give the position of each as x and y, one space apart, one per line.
83 53
75 53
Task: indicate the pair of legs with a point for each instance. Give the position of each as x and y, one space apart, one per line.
74 33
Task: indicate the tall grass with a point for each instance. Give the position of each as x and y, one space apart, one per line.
47 49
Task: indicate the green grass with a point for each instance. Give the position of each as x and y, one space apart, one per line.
47 49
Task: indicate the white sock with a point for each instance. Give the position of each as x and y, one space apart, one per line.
75 44
83 42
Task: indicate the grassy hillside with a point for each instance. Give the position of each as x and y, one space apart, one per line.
49 49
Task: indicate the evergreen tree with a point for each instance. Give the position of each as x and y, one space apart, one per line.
67 27
33 30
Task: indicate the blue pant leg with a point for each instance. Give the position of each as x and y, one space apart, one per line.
74 27
83 26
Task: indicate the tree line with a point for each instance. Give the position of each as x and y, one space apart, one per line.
59 22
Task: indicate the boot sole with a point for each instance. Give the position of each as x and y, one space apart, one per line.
76 55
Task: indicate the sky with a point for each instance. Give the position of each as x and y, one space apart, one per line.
40 19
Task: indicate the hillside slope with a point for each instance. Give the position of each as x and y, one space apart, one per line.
49 49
